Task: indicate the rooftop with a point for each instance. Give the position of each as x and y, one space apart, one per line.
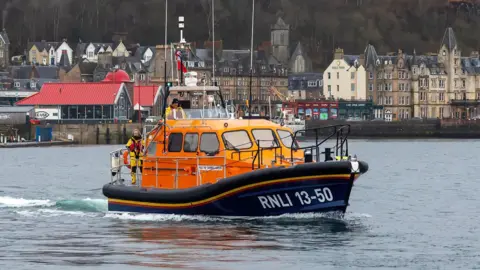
75 94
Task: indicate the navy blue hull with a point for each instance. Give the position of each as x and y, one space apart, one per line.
322 195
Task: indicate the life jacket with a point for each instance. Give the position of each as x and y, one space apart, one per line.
135 146
179 113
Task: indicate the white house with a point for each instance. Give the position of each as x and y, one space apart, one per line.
120 50
93 49
344 81
147 55
64 47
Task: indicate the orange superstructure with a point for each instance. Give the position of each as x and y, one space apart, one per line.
198 151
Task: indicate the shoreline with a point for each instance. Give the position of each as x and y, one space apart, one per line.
37 144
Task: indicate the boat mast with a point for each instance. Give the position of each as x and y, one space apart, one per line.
164 107
251 63
214 83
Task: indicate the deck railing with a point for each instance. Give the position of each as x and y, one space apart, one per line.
338 132
118 165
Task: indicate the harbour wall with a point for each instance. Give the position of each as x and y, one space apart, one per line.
94 133
120 132
436 128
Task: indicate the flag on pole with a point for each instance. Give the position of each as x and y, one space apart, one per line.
180 65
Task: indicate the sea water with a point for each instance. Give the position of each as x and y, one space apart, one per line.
416 208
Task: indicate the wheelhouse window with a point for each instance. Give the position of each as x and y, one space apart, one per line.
190 143
287 138
209 143
175 141
152 149
235 140
265 137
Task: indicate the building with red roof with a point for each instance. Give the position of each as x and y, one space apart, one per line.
145 96
81 101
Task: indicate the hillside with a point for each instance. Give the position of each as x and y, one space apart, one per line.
319 24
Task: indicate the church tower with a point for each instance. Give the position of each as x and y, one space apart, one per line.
280 39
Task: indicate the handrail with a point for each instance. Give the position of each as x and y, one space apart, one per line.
341 131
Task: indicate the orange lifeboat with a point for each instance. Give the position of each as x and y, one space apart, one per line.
210 164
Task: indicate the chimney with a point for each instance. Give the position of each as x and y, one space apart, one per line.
105 59
361 60
338 54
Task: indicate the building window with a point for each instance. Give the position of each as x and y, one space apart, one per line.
330 89
329 75
312 83
423 96
1 53
142 77
338 75
353 87
441 96
33 85
370 75
370 86
17 84
338 88
423 112
90 54
440 112
441 83
353 75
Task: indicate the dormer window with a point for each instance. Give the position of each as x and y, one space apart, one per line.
444 52
142 77
17 84
90 54
378 62
33 85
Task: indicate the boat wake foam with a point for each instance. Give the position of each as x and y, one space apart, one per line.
21 202
82 205
95 207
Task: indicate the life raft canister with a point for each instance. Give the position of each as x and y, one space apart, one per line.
126 159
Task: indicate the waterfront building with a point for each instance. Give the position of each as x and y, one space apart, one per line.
356 110
389 83
84 102
145 99
305 86
343 80
314 110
